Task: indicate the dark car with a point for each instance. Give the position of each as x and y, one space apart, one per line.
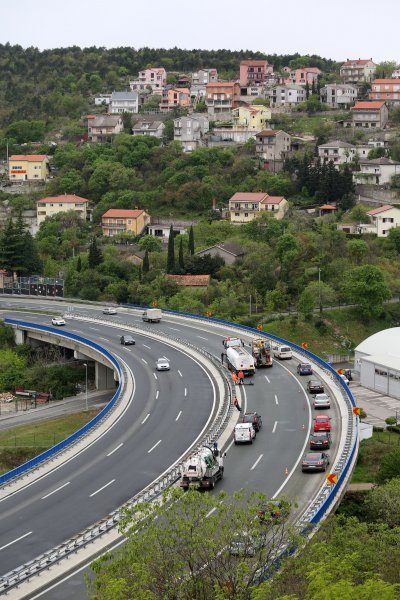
320 440
315 461
315 386
127 340
304 369
253 418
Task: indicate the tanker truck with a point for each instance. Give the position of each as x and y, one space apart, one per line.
261 351
203 468
240 360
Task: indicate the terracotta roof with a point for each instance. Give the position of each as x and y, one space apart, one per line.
327 207
357 62
389 80
273 200
368 105
63 198
121 213
249 61
249 196
28 157
267 133
380 209
222 83
190 280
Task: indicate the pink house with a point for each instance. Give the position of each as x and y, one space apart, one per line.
175 97
305 75
254 72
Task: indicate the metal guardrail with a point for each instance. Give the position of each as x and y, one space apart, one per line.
53 556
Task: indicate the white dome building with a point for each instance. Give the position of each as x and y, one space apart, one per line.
377 359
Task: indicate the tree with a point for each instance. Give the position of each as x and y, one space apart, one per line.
150 243
171 251
180 255
183 550
79 264
95 254
358 250
389 467
146 264
191 240
306 303
383 503
366 287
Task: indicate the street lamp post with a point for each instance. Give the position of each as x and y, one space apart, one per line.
86 394
319 290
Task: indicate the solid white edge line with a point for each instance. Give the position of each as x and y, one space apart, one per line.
56 490
102 488
179 414
115 449
274 428
21 537
256 463
145 419
155 446
276 399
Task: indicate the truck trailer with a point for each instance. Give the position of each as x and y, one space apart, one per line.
239 360
152 315
262 353
203 469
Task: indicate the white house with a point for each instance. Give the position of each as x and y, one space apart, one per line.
337 151
378 171
384 219
127 102
377 359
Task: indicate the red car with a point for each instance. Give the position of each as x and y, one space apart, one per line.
322 423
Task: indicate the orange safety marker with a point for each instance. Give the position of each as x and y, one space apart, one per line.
286 471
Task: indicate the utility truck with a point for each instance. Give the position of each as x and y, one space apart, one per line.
261 351
152 315
240 360
232 342
203 469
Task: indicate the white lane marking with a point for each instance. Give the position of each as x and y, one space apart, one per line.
210 512
21 537
202 338
180 373
127 349
56 490
157 393
146 417
147 346
174 328
155 375
165 358
102 488
104 339
244 408
155 446
267 379
94 329
276 399
115 449
185 391
274 427
145 361
256 463
179 414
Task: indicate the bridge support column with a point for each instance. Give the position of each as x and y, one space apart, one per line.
104 377
20 336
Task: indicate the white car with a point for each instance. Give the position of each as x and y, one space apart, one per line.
57 321
162 364
344 378
244 433
109 310
322 401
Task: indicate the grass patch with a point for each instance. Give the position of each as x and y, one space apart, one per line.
19 444
371 453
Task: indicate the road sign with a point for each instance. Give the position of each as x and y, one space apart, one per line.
304 345
259 326
340 371
209 314
356 410
331 479
154 303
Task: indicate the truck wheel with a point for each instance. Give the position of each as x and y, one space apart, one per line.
212 484
251 441
235 443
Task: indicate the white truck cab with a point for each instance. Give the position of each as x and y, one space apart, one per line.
244 433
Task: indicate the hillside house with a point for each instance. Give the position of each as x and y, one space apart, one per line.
357 71
372 115
384 219
124 102
251 117
200 79
378 171
28 167
222 97
119 220
149 127
339 96
174 98
254 72
53 205
228 251
103 127
305 75
337 151
191 130
154 78
272 148
387 90
246 206
287 95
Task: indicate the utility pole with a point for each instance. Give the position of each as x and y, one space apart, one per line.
319 290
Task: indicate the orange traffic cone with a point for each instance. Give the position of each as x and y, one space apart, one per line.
286 471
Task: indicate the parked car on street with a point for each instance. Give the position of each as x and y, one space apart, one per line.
162 364
320 440
322 401
253 418
127 340
304 369
57 321
315 461
315 386
322 423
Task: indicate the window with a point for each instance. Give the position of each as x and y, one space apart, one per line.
246 214
380 372
129 221
236 213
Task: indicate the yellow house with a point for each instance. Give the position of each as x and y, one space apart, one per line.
118 220
246 206
251 117
47 207
28 167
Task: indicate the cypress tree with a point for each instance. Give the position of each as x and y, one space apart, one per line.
307 90
31 263
171 251
95 254
191 240
180 256
79 264
146 264
8 246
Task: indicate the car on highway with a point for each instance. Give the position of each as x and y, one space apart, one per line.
320 440
109 310
57 321
127 340
315 386
282 352
322 423
162 364
322 401
244 433
344 378
304 369
253 418
315 461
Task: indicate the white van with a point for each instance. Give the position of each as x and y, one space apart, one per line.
244 433
282 352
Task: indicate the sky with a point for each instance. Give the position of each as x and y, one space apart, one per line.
344 29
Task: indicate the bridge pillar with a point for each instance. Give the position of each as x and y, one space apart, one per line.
20 336
104 377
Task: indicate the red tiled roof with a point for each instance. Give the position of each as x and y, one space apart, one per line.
273 200
249 61
249 196
28 157
380 209
389 80
63 198
267 133
222 83
368 105
121 213
327 207
190 280
357 62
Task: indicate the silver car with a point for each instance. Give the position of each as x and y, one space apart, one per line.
322 401
162 364
109 310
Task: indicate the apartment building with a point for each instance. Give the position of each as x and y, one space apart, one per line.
222 97
254 72
53 205
287 95
155 78
200 79
358 71
124 102
28 167
387 90
339 96
175 98
372 115
272 148
190 131
246 206
118 220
